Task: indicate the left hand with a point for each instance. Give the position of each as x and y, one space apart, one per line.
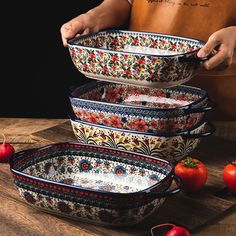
221 45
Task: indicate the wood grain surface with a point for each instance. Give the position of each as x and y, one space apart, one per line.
209 212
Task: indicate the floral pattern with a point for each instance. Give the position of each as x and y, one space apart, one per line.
55 182
172 148
140 109
92 214
97 174
91 57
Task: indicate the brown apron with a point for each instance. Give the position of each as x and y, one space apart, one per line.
195 19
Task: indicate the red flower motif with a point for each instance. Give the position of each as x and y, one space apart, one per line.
114 58
105 122
85 67
115 41
154 44
79 113
138 70
125 56
128 72
79 50
101 53
115 121
153 59
141 61
140 125
173 46
73 53
113 94
92 56
101 115
93 119
153 124
105 70
135 41
114 68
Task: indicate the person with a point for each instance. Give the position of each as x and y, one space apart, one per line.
213 21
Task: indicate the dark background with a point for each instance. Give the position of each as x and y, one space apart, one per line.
36 69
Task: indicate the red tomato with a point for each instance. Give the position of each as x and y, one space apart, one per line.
229 176
193 174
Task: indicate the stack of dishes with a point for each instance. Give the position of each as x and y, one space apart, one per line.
131 130
138 102
166 123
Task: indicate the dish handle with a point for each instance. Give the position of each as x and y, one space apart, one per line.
193 58
211 105
210 129
23 152
170 192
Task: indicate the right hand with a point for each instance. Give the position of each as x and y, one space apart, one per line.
80 25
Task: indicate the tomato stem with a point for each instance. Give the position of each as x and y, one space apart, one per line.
233 162
160 225
189 162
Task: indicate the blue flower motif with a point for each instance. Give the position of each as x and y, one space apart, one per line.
85 165
120 170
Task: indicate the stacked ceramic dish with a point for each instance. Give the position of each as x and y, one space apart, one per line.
97 185
136 58
143 106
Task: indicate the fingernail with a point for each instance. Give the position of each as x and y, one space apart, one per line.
201 54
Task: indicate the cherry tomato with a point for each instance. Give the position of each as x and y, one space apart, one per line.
193 174
174 231
229 176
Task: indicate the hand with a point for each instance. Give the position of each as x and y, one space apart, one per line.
80 25
221 45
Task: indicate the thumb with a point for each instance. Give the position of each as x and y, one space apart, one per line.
208 48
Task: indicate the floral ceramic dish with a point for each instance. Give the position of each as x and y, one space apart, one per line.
141 109
99 185
137 58
171 147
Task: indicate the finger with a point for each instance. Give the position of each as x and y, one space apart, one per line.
210 45
86 31
69 30
216 60
66 33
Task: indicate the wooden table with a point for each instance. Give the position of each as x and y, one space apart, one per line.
17 218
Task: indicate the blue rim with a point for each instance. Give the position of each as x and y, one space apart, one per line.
93 85
73 118
144 191
72 42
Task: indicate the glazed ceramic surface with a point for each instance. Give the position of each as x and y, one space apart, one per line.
142 109
137 58
171 147
99 185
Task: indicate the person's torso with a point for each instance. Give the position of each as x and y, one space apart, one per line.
194 19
